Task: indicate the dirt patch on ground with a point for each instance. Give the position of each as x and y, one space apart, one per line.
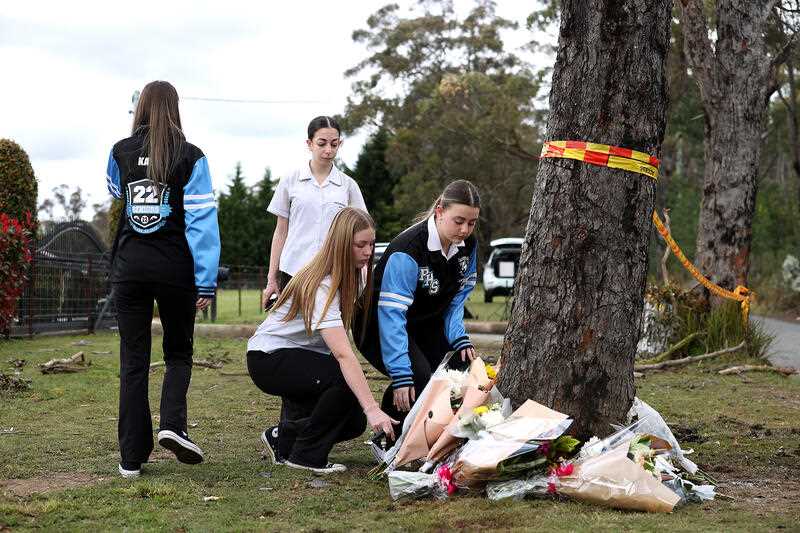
764 490
49 483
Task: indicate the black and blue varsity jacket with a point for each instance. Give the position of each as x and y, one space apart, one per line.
414 287
169 235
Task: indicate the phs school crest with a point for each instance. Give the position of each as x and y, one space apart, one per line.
147 212
428 280
463 264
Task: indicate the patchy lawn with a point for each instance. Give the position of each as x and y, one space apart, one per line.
58 463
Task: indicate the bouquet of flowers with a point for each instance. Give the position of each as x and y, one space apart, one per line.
449 395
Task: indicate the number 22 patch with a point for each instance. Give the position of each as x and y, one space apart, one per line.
146 210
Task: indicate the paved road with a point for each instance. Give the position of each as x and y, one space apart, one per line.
785 349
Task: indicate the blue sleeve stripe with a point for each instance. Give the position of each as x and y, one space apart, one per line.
463 344
404 382
397 297
202 229
190 207
392 304
197 196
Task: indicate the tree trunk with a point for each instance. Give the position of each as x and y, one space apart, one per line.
577 313
734 79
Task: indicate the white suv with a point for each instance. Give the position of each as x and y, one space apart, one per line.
501 268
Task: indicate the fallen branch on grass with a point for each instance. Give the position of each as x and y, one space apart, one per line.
76 363
672 349
758 368
201 362
688 360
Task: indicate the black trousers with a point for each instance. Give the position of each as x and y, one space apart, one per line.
176 307
319 409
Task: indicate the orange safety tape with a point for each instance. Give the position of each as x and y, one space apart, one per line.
642 163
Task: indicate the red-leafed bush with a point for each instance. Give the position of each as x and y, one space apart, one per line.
15 256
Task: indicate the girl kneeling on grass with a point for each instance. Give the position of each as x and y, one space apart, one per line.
417 316
301 352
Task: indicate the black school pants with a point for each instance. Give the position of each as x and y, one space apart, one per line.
176 308
319 409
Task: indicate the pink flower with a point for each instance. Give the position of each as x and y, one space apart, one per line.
564 470
446 479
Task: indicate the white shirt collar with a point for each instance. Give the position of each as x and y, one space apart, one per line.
435 244
334 177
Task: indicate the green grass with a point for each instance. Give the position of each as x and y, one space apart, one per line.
243 307
744 431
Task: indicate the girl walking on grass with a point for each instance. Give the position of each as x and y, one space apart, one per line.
166 250
302 354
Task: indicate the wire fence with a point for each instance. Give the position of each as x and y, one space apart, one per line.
69 288
68 283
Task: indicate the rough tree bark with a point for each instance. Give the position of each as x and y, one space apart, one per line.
735 76
578 306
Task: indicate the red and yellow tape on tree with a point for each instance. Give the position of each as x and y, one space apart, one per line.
641 163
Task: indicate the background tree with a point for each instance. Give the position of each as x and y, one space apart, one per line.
263 223
575 319
245 226
377 182
453 103
235 217
736 76
71 203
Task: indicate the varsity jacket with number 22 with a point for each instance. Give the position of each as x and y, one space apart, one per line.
417 290
167 234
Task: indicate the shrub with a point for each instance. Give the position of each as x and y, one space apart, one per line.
15 255
18 187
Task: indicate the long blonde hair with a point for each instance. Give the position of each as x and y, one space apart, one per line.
335 258
157 111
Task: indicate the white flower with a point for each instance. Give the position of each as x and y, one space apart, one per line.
456 379
590 450
491 418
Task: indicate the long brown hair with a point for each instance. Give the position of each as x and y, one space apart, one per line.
457 192
157 114
335 258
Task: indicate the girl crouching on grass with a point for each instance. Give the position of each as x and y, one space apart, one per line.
301 352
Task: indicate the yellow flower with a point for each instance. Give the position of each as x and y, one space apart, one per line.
491 372
480 410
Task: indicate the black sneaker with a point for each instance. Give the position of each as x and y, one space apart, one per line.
270 439
181 445
330 468
130 470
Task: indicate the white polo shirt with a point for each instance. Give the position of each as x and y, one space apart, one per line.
274 334
310 208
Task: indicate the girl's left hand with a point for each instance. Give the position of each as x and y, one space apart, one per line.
202 303
468 353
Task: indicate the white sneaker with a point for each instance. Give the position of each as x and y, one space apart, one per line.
330 468
182 446
129 474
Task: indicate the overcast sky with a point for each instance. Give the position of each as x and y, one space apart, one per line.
70 69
